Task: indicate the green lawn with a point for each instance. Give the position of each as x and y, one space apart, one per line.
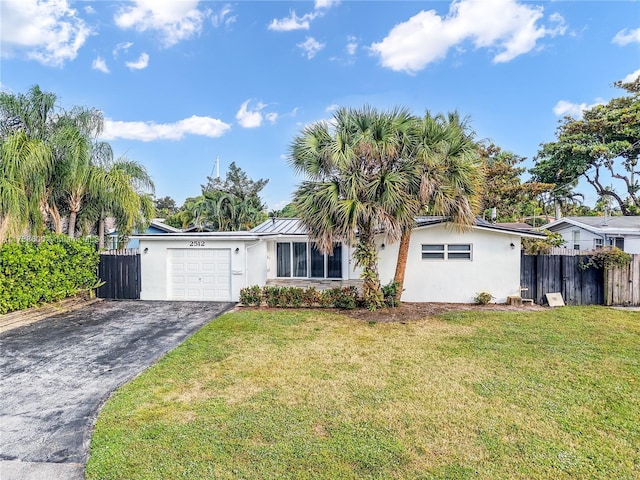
308 394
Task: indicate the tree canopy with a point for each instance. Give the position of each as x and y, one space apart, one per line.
603 148
228 204
504 189
65 172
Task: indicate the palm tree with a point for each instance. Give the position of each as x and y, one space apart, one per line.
449 177
225 212
357 184
24 169
125 192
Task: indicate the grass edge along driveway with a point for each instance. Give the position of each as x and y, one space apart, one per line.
308 394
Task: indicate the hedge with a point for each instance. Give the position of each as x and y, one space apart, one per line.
53 268
346 298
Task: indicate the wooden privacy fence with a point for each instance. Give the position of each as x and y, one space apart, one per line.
622 284
120 270
541 274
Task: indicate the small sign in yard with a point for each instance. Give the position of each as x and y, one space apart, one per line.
555 299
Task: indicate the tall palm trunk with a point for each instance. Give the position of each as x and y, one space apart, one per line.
401 264
75 202
366 256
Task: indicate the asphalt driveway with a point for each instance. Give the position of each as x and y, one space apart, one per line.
56 374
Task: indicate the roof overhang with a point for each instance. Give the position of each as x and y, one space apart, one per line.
488 228
227 236
603 230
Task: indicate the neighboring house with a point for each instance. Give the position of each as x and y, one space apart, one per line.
155 227
588 233
445 265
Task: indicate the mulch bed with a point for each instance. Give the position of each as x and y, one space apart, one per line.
409 311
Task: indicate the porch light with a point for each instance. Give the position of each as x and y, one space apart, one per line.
512 245
237 250
146 250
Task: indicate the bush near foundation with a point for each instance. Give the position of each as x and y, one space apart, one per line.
345 298
50 268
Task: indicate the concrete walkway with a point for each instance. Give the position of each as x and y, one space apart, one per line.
55 375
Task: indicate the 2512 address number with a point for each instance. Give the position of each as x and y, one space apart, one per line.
196 243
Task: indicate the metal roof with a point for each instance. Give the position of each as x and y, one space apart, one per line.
606 224
294 226
282 226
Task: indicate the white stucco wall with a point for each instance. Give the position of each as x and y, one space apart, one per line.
494 268
154 264
256 267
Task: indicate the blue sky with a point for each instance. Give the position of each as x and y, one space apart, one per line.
181 82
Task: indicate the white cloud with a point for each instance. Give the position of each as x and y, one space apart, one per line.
149 131
272 117
223 17
624 37
319 4
311 47
100 64
124 46
332 108
139 64
631 77
48 31
175 20
292 22
89 9
250 118
566 108
506 26
352 45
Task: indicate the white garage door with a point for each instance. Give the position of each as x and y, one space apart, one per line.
196 274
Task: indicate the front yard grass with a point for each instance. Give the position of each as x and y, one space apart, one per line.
266 394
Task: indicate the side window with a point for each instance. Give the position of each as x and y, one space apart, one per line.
575 235
432 252
460 251
453 251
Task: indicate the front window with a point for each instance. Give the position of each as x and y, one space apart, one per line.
299 259
304 260
283 252
597 243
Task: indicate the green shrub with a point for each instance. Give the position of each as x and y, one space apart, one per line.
390 294
251 296
56 267
345 298
271 296
606 259
310 296
294 297
483 298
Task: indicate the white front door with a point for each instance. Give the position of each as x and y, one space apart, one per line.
200 274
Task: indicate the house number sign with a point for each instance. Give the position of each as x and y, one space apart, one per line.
196 243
